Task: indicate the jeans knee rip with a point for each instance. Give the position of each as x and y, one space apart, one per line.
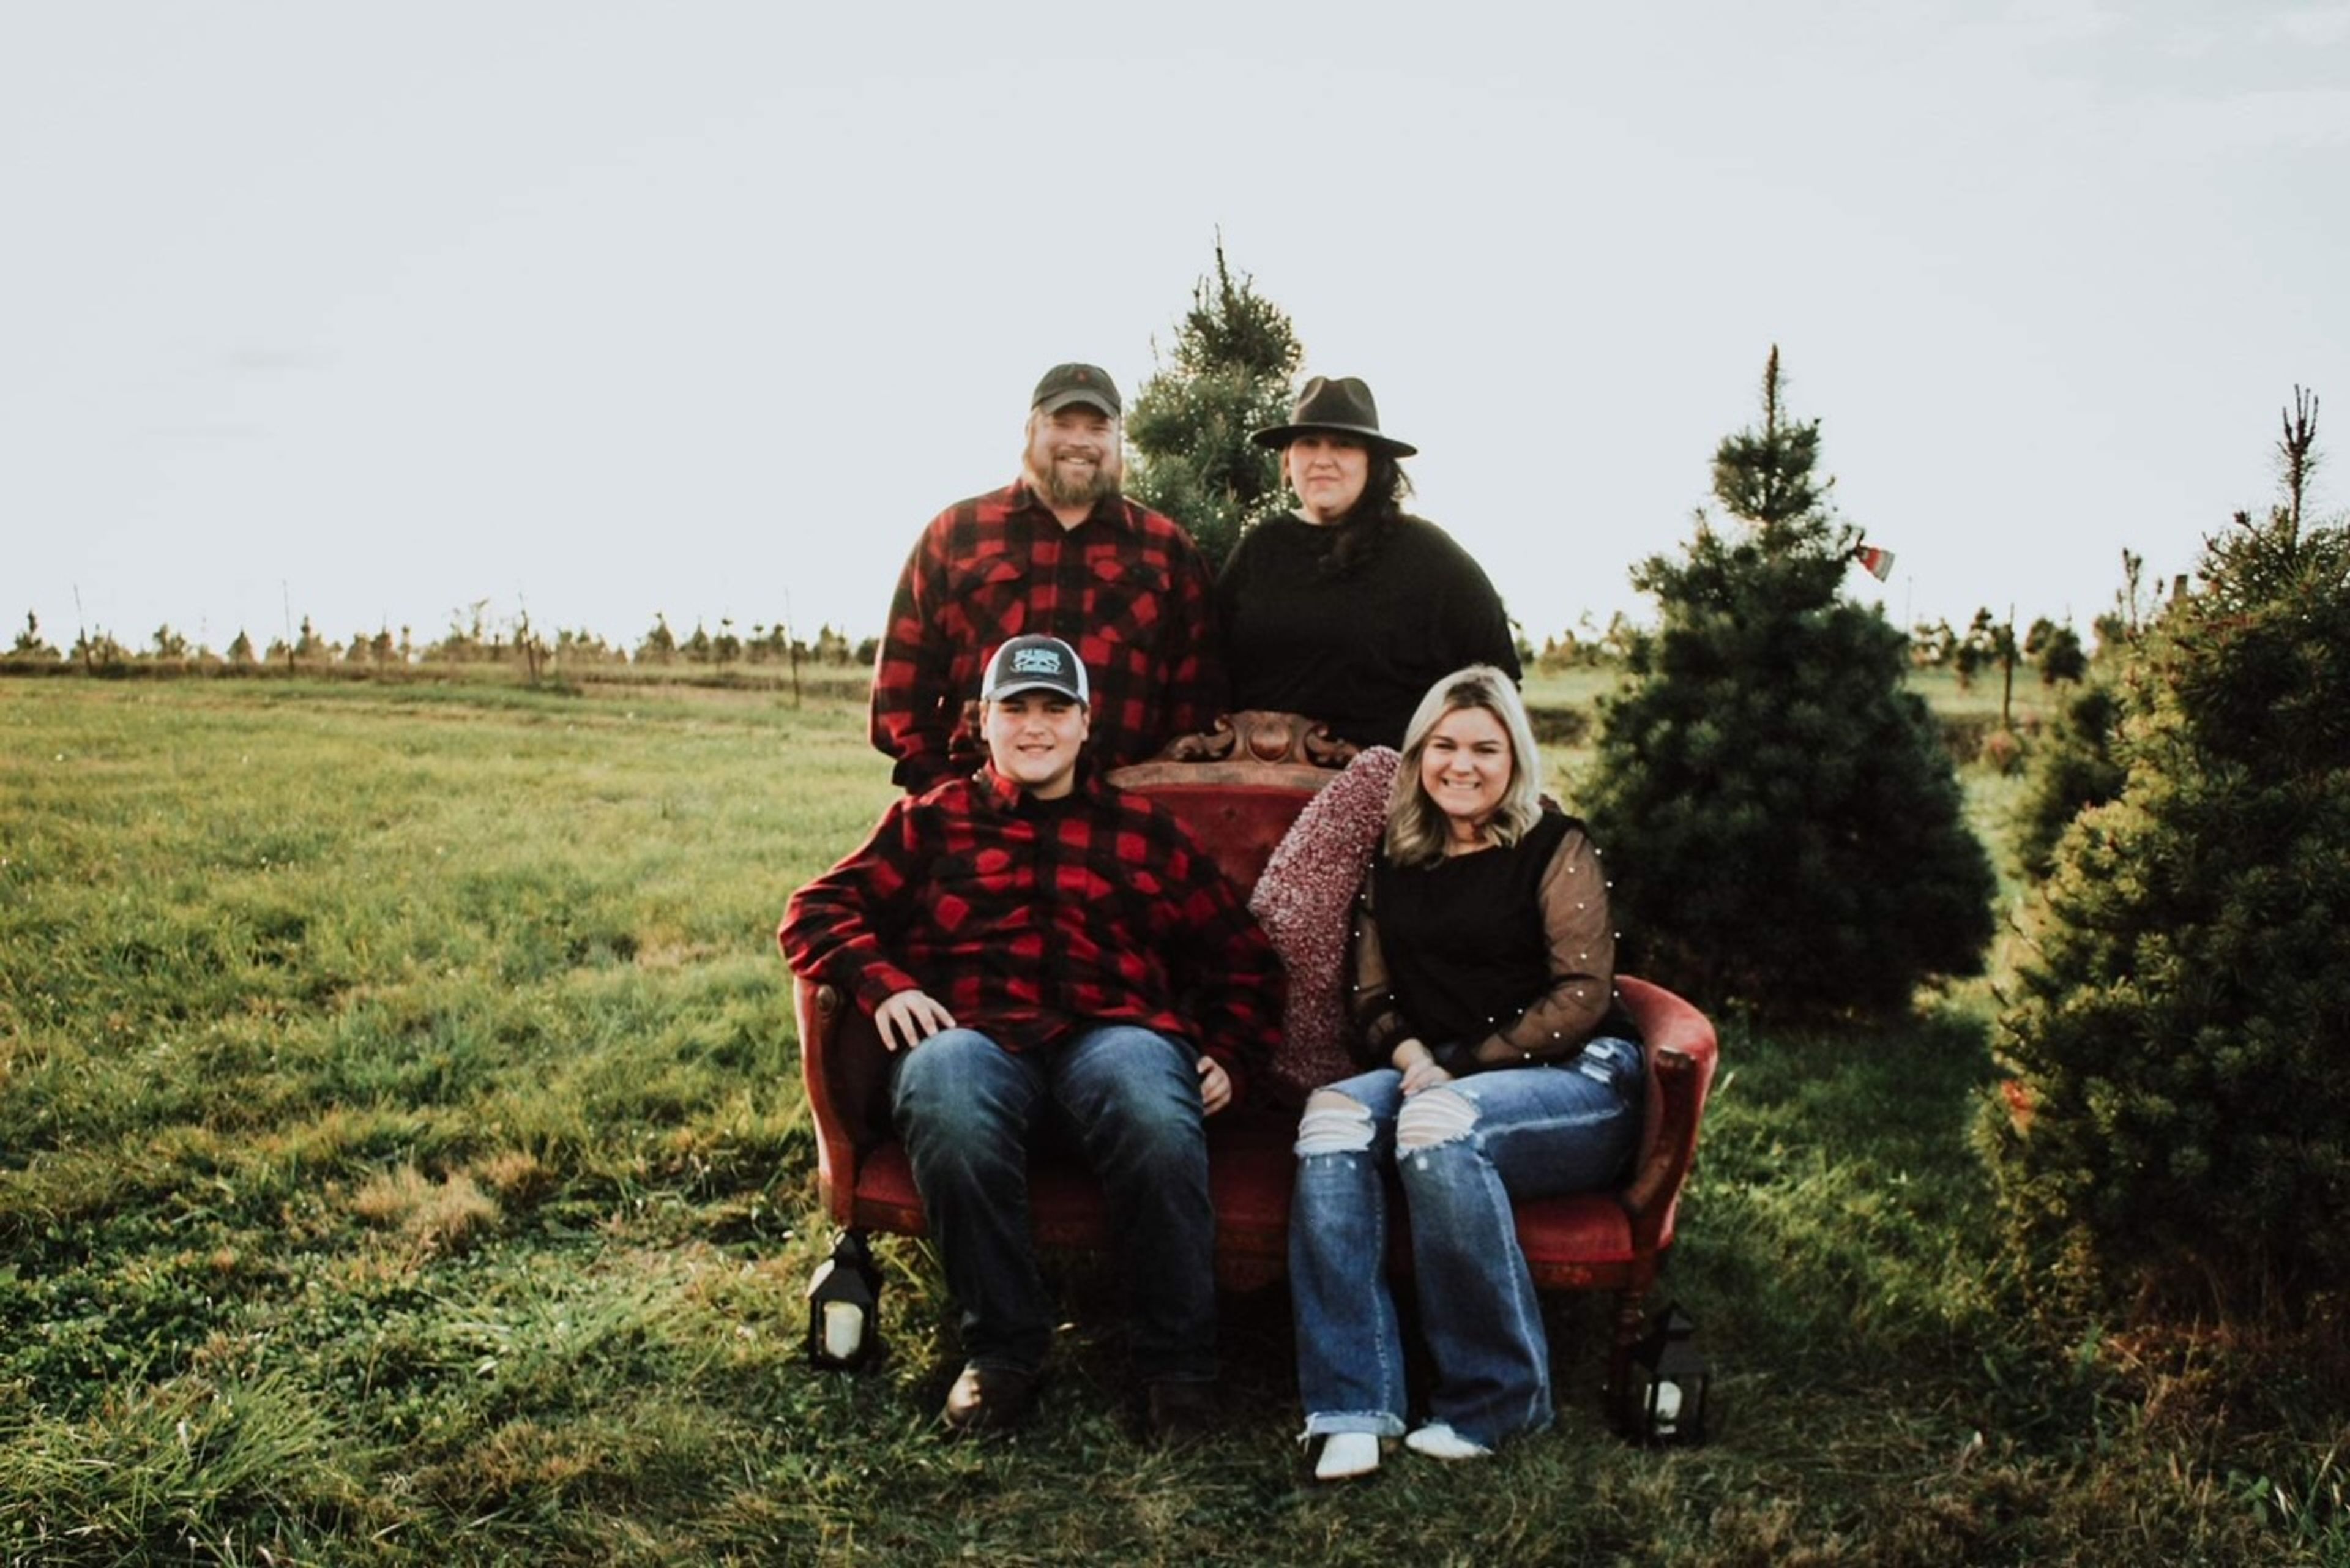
1332 1124
1434 1117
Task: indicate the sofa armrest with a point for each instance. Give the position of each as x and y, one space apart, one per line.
1681 1052
845 1072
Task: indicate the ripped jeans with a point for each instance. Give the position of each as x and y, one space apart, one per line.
1461 1152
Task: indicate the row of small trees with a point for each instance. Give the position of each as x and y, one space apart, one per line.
470 641
2053 650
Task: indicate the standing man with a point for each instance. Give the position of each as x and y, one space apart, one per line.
1059 552
1022 936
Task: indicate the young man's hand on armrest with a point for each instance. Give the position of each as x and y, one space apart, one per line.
907 1018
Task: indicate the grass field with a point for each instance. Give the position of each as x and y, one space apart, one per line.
403 1161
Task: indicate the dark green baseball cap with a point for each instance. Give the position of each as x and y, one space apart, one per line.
1067 384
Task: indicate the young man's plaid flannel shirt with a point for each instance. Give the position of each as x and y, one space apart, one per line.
1027 919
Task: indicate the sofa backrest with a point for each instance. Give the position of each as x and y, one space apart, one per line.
1239 787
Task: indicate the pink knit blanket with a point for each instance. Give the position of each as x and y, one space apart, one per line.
1305 901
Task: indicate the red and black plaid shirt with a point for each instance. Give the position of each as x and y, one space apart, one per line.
1025 919
1126 587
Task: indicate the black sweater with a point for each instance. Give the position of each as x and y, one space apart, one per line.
1356 651
1464 941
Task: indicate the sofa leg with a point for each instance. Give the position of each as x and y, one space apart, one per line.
1629 1304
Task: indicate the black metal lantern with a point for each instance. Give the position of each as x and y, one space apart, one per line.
844 1299
1667 1401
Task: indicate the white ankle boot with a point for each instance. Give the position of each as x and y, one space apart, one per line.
1439 1442
1346 1455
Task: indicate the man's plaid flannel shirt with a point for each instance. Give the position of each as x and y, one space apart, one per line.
1126 587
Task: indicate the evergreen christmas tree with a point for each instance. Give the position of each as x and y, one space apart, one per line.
2181 1026
1190 422
2074 764
1787 829
2073 769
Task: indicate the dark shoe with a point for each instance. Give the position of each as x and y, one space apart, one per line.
988 1400
1179 1413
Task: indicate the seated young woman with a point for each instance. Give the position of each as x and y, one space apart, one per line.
1496 1065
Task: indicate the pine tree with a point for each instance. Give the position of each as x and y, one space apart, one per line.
2181 1026
2072 768
659 646
1234 356
2056 651
31 645
1787 830
2074 764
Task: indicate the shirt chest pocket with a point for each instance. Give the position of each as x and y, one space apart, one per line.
1125 600
987 601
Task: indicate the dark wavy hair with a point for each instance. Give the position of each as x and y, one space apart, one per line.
1366 524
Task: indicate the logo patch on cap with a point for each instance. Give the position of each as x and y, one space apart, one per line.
1034 663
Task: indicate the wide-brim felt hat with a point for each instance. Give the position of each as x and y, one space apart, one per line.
1342 404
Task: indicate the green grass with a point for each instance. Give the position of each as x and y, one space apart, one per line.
403 1160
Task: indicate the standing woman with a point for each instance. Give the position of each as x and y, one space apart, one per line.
1497 1067
1346 609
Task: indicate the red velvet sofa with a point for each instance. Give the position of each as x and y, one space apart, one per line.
1238 788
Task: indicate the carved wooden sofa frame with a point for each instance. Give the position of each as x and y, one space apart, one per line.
1238 787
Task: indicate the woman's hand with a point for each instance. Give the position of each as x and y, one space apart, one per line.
1418 1064
1215 1085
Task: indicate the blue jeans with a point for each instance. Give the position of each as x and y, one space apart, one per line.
1461 1152
967 1111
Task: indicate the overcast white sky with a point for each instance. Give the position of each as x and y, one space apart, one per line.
370 312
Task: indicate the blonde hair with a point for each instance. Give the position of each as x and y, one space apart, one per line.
1417 825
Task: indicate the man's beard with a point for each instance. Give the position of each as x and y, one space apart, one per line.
1060 489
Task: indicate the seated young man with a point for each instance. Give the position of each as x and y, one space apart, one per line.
1037 948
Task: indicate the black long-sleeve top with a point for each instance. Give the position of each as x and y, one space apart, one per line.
1360 649
1504 956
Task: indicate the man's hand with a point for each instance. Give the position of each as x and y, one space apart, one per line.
1215 1085
909 1018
